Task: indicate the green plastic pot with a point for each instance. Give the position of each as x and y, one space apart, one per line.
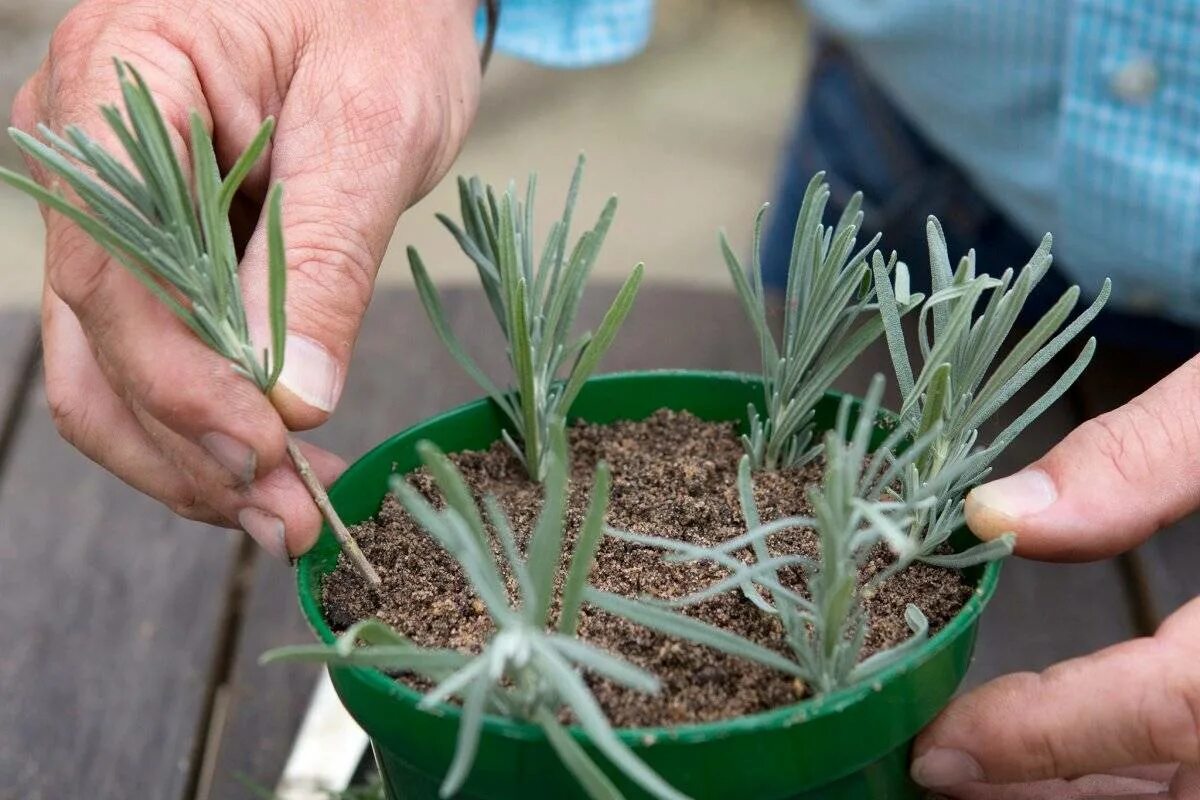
852 744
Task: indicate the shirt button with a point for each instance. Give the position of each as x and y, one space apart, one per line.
1135 81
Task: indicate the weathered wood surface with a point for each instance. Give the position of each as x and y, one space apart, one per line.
112 612
130 667
18 362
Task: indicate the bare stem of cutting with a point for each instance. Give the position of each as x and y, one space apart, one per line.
350 547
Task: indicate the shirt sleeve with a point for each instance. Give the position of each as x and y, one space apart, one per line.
573 33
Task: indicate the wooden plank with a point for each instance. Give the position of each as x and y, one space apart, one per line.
1167 567
112 610
402 374
18 360
1035 619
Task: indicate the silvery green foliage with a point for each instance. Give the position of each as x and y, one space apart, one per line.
529 670
173 235
826 629
174 238
959 387
535 304
829 319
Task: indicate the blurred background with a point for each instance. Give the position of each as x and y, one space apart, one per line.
687 135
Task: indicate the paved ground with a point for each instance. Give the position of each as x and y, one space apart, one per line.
686 134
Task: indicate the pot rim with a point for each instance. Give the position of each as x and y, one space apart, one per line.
783 717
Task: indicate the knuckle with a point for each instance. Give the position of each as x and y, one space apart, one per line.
1176 733
187 498
171 393
75 269
189 505
1121 446
336 275
157 392
1191 702
191 393
1041 747
78 29
67 411
150 35
379 125
372 116
24 113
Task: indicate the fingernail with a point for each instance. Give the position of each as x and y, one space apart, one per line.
266 529
942 767
310 373
1027 492
231 454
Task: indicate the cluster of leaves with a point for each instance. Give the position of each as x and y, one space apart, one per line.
179 245
825 629
175 238
535 304
960 387
529 669
829 318
836 304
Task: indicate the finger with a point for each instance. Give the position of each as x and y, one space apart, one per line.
150 357
1092 786
353 148
1156 773
92 418
1135 703
1186 783
1089 787
1107 486
280 501
276 510
152 360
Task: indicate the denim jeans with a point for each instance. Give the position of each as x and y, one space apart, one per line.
847 127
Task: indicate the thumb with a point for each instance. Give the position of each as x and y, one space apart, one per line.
1109 484
1135 703
354 147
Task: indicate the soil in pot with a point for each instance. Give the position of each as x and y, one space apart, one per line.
674 475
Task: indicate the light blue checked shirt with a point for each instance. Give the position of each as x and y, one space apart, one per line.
1081 117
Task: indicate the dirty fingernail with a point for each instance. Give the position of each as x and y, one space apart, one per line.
1027 492
311 373
942 767
231 454
266 529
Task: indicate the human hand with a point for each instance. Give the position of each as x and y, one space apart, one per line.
1121 722
372 100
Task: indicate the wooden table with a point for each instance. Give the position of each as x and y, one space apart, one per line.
130 637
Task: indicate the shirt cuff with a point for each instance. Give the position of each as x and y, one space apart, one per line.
573 33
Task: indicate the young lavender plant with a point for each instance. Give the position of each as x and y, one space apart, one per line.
852 516
534 302
829 319
959 387
529 670
176 239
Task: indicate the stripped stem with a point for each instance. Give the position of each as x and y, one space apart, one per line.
350 547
